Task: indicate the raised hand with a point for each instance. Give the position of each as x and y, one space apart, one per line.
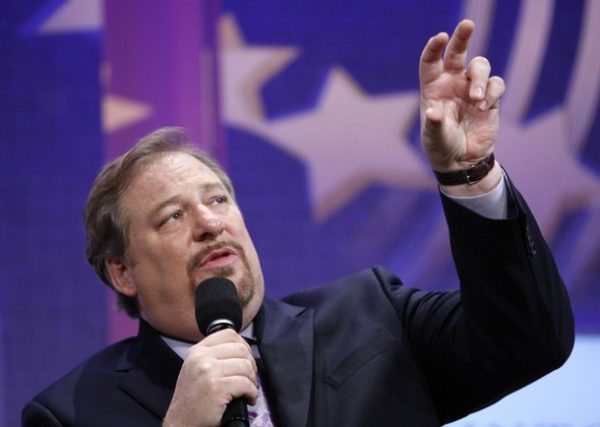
459 105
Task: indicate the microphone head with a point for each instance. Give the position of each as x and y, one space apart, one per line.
217 301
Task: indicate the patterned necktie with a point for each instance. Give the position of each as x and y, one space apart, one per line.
259 414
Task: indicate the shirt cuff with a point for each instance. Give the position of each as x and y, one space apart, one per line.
491 205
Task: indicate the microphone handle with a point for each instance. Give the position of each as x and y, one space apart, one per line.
236 414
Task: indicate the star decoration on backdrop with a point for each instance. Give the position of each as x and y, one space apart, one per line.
350 140
343 151
119 112
244 70
74 16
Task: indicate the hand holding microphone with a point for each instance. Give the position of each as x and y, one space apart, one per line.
218 307
218 375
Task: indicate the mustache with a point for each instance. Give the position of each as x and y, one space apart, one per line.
197 259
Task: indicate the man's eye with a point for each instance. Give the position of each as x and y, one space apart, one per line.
219 200
172 217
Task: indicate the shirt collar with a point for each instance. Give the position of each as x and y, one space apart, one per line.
181 347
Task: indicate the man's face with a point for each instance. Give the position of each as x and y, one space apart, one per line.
183 228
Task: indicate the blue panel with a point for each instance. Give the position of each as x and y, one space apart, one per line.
590 155
559 60
271 191
502 34
53 310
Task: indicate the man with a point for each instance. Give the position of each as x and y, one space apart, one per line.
364 350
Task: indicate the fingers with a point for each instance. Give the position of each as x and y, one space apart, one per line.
224 352
434 60
483 88
456 52
240 387
216 370
455 101
432 125
478 72
430 64
224 336
494 91
225 360
488 90
233 377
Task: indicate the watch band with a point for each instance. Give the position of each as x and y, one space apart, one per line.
474 173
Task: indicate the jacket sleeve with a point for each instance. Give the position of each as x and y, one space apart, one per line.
37 415
510 323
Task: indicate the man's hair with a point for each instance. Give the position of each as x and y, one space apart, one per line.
106 223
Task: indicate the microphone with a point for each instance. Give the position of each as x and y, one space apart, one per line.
218 307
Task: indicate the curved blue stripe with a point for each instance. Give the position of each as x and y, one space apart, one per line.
502 34
590 155
559 59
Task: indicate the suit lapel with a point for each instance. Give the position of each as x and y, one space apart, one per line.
151 370
285 339
285 336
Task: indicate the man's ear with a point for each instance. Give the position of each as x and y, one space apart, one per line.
118 272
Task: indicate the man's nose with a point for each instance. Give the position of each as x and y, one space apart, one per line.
207 225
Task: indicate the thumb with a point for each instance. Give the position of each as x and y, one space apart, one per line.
433 122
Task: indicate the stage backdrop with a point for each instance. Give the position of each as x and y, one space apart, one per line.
313 107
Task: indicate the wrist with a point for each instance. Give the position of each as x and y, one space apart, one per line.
465 172
484 185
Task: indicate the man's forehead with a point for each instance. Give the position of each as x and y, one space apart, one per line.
172 168
164 177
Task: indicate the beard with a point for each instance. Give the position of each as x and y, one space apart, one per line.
245 286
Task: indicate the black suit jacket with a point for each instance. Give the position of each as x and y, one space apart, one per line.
365 350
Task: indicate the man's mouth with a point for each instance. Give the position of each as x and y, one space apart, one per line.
219 258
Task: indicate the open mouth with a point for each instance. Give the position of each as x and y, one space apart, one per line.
219 258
